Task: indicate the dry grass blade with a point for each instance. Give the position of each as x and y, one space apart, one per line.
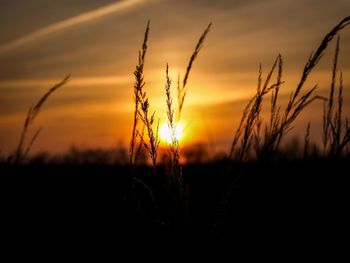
176 170
266 87
296 103
315 58
40 103
195 53
144 47
240 129
338 117
338 143
169 100
330 106
274 97
139 83
334 75
251 116
346 138
148 121
307 140
182 90
251 121
31 115
333 143
139 148
35 136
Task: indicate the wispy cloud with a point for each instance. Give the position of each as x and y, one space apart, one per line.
70 22
80 81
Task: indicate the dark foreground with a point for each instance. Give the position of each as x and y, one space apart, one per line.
308 199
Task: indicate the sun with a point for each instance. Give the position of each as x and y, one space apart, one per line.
166 134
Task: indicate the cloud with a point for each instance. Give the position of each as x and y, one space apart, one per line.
80 81
70 22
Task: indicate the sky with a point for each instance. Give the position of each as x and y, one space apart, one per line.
97 42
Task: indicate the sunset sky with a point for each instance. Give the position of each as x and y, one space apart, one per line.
97 42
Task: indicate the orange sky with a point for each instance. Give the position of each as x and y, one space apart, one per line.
97 42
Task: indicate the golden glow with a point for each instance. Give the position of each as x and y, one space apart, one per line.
96 108
166 133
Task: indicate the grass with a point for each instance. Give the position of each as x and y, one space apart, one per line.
267 145
175 167
254 138
252 190
22 152
336 130
139 84
141 113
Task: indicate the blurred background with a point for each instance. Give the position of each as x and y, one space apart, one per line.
97 41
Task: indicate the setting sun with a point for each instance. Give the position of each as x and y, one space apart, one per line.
165 133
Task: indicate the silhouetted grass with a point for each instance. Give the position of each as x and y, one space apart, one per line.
263 193
267 145
139 84
182 91
20 153
141 112
336 133
175 167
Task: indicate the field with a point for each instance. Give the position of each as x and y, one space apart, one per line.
288 200
259 188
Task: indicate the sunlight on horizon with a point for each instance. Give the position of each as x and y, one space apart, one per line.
166 133
97 42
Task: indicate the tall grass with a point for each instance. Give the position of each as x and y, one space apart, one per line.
142 116
267 145
182 90
22 150
254 135
141 112
138 86
307 141
262 139
336 130
175 167
145 133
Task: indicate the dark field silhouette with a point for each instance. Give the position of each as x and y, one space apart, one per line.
288 199
257 189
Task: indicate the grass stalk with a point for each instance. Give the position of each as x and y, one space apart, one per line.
20 154
182 90
138 86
